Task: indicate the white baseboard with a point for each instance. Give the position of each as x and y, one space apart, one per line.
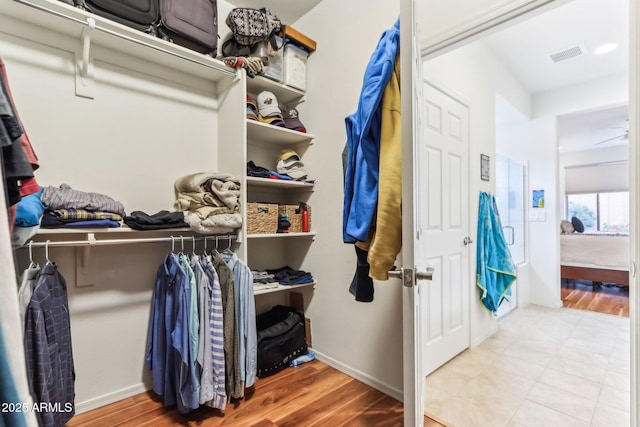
106 399
360 376
478 340
115 396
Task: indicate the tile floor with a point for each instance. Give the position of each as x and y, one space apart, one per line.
544 367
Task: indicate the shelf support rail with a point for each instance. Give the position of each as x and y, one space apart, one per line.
92 241
220 68
84 63
82 258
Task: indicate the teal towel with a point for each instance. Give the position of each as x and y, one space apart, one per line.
495 270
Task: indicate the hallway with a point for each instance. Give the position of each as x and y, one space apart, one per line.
544 366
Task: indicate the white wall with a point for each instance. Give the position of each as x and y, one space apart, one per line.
146 126
362 338
618 153
474 74
606 91
543 154
534 143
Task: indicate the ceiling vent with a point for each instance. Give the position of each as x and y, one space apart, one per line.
567 53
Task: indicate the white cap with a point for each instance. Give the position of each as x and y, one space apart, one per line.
289 163
268 104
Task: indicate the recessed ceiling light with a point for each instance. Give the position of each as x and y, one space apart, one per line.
605 48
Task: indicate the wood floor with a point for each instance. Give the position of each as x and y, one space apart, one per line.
603 299
312 394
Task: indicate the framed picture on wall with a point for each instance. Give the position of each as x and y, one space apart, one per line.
537 199
485 167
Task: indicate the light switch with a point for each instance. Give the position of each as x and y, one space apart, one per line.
537 215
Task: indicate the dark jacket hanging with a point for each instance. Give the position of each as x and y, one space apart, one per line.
48 350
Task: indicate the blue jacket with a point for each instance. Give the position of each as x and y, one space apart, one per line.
495 270
363 140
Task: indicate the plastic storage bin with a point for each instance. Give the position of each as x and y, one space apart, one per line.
274 70
295 67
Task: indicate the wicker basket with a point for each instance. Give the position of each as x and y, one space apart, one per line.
295 217
262 218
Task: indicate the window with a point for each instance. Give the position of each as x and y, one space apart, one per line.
607 212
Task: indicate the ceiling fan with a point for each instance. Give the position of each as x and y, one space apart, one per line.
624 135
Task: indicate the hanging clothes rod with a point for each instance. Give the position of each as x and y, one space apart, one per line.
217 67
92 241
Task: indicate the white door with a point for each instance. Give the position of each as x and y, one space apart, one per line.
435 224
411 60
443 227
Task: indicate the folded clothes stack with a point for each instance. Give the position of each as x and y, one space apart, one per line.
263 280
67 207
262 172
210 202
288 276
139 220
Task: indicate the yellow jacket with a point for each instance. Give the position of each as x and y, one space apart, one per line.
385 240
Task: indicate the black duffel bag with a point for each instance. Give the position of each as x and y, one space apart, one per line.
281 338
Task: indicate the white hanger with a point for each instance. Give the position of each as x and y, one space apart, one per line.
46 252
32 263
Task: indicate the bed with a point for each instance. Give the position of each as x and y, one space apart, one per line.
600 258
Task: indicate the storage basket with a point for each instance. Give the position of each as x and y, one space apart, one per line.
262 218
295 217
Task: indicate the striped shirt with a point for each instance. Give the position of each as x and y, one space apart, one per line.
65 197
216 337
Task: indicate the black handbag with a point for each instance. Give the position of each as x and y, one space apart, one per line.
281 338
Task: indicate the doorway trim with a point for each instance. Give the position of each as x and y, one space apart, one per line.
634 185
494 19
480 25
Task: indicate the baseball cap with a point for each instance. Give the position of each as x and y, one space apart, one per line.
252 109
289 163
268 104
272 120
291 118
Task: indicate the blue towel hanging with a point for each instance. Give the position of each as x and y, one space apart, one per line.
495 271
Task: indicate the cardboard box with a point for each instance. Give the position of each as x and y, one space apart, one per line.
296 37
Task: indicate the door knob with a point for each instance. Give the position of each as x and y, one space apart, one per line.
467 240
407 276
